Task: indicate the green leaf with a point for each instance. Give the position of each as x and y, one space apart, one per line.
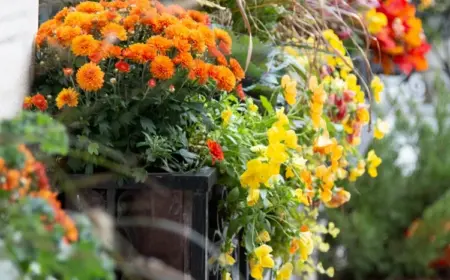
93 148
266 104
148 125
233 195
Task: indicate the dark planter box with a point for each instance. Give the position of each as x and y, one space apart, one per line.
181 198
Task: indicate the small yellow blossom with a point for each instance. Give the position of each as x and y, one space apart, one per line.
262 259
285 272
255 174
277 153
253 197
375 21
291 139
253 108
358 171
290 89
226 276
276 134
226 116
301 197
362 115
263 236
377 87
381 129
283 120
226 259
373 161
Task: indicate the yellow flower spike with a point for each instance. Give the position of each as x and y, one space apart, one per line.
276 134
226 260
301 197
381 129
263 236
290 89
377 87
226 116
226 276
285 272
291 139
375 21
253 197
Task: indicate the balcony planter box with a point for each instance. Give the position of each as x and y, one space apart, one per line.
183 198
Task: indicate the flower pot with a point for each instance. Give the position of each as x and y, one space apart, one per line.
180 198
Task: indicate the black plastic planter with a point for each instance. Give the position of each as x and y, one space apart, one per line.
180 198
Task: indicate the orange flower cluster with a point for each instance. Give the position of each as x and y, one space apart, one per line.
402 41
37 100
32 181
134 32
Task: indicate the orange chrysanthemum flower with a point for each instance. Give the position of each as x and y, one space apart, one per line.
208 35
65 34
67 96
130 22
198 16
114 31
46 29
39 101
90 77
160 43
140 52
162 67
197 41
185 59
224 78
84 45
89 7
181 45
83 20
61 14
199 70
189 23
177 31
225 41
237 69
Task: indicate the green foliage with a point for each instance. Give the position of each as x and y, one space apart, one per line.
375 221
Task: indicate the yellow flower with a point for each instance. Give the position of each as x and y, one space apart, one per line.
373 161
291 51
358 171
226 276
226 116
306 245
283 120
352 84
285 272
291 139
325 195
362 114
263 256
263 236
253 197
381 129
277 153
253 108
289 172
375 21
256 270
67 96
226 259
276 134
301 197
330 272
377 87
255 174
290 89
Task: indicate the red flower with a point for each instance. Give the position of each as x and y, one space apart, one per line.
240 92
68 72
40 102
122 66
215 150
151 83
